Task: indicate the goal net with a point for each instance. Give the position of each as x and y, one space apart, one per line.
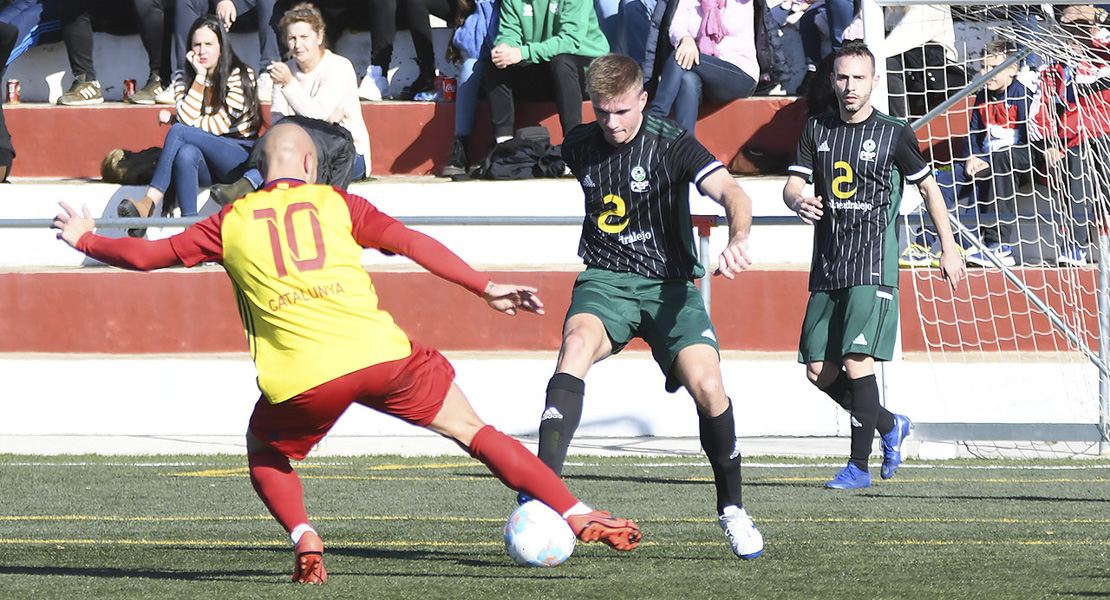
1022 156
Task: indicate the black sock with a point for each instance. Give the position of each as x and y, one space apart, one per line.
884 423
560 419
840 391
865 410
718 440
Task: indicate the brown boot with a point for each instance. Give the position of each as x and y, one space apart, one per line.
129 209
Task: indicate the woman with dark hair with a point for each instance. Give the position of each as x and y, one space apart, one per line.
218 118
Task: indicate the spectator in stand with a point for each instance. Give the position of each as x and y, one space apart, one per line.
77 33
542 53
218 117
383 31
635 28
822 25
36 21
23 23
998 151
475 32
315 83
1070 116
714 58
229 12
920 53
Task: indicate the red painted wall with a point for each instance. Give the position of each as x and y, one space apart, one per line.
112 311
406 138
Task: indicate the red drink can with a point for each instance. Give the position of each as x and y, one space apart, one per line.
13 91
439 85
128 88
450 87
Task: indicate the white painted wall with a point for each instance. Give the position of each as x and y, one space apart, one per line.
491 246
214 395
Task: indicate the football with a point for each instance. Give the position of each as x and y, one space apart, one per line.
536 536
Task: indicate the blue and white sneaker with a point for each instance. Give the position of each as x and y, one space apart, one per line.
1004 254
892 445
850 478
1072 256
745 539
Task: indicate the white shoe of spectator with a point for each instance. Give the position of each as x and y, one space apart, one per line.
165 97
374 86
265 87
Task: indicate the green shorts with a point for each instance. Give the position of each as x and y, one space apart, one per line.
855 320
668 314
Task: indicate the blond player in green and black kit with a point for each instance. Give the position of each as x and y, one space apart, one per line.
638 246
857 159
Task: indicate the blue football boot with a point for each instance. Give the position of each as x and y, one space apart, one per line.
892 445
850 478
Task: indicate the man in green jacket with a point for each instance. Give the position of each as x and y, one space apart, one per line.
542 50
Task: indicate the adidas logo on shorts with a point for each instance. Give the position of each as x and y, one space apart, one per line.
859 341
708 334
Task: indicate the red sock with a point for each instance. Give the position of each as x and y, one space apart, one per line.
278 486
519 469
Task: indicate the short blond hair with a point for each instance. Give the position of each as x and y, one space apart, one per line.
305 12
613 75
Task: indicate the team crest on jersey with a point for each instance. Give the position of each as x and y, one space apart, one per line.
639 181
868 152
527 10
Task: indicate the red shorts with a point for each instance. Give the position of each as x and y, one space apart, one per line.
411 389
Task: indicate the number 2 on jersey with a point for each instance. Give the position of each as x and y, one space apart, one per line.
279 244
619 211
843 180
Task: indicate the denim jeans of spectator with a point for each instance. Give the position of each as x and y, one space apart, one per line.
712 78
998 194
193 158
37 21
635 20
1084 172
466 94
608 19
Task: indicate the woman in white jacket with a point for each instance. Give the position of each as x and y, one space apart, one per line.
315 83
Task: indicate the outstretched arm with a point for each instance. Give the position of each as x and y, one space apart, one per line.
441 262
723 189
126 253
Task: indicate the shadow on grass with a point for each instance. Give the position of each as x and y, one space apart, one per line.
158 574
439 556
373 557
1100 500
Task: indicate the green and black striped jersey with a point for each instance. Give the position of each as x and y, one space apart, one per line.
638 198
857 169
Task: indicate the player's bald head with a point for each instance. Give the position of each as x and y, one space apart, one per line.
288 152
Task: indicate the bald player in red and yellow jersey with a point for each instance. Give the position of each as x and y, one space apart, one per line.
320 343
